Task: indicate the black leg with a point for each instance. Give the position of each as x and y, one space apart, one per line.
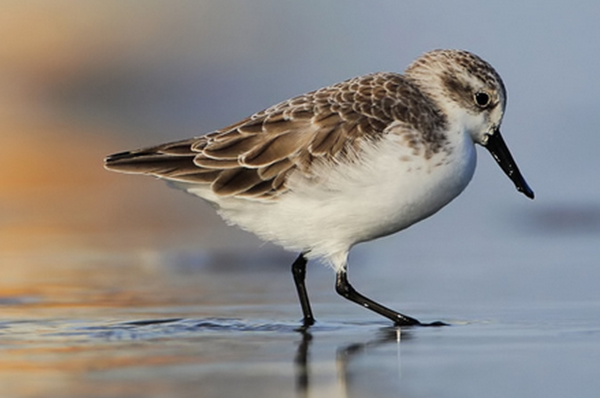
299 273
345 289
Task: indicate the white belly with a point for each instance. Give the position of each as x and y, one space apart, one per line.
356 202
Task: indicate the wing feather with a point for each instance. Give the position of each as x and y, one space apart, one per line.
280 147
323 141
273 170
235 181
232 148
254 157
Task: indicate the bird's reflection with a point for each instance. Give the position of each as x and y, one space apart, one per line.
344 356
301 362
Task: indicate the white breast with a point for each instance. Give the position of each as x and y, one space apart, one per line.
387 191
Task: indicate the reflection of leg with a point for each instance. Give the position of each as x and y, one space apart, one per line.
345 289
299 273
347 353
301 362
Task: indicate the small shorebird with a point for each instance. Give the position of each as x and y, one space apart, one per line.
347 163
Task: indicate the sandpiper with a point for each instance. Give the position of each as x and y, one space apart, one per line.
347 163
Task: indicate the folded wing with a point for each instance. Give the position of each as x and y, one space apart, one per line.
254 157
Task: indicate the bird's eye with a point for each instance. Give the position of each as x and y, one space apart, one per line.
482 99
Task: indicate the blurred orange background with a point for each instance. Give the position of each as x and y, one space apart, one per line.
61 214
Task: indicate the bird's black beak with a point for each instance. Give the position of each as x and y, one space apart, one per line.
495 144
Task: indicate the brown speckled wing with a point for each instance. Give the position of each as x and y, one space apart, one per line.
254 157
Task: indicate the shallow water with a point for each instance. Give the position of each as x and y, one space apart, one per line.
192 324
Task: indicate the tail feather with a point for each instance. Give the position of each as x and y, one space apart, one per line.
184 164
160 160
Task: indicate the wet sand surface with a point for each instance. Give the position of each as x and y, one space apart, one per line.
150 325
